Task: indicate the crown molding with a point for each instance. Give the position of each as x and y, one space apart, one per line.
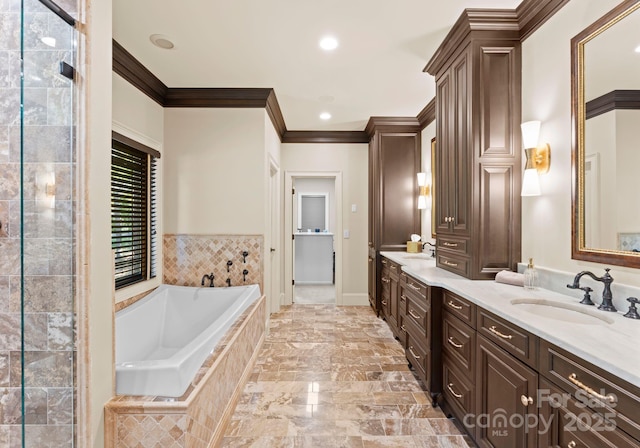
532 14
325 137
275 114
616 99
127 66
216 97
427 115
392 124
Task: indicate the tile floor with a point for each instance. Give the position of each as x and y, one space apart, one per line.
331 376
314 294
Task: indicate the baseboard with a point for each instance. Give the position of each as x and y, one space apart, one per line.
358 299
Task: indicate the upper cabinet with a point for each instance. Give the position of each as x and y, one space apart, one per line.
478 149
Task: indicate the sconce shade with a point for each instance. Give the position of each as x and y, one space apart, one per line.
422 202
530 133
530 183
422 179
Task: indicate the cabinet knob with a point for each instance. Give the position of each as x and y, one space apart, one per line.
526 400
571 444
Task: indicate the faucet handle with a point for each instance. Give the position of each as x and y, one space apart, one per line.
586 300
633 311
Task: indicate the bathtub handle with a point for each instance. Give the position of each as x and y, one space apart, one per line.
244 275
229 263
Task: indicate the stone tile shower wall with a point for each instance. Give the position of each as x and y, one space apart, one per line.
188 257
48 232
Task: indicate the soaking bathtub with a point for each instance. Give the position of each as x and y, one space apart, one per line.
163 339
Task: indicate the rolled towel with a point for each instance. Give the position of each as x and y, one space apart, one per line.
510 278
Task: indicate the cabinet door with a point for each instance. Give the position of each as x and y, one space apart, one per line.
443 168
393 304
505 395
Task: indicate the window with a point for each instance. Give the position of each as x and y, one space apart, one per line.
133 210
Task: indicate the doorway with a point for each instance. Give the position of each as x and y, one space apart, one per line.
313 216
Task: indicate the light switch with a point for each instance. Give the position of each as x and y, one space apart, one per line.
346 234
354 208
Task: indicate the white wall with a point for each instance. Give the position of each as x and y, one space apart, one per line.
352 161
427 134
138 117
546 96
214 171
273 272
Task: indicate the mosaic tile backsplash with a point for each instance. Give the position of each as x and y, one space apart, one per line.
187 258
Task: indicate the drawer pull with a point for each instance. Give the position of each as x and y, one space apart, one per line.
452 391
393 267
413 314
574 379
412 353
384 302
493 330
452 342
414 287
448 263
385 280
571 444
402 327
384 261
403 297
526 400
448 244
454 306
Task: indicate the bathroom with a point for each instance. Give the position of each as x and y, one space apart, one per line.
250 183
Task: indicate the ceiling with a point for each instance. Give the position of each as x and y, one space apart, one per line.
375 71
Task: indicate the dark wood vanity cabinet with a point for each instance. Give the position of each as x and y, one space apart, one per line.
389 298
394 160
478 149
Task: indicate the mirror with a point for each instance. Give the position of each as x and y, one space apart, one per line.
313 212
606 138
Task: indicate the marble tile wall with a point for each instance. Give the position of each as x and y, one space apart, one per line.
48 283
199 417
188 257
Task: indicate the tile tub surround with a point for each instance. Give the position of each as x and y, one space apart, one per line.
330 376
608 346
187 258
198 418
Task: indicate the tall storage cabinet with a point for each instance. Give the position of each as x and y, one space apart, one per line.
394 160
478 149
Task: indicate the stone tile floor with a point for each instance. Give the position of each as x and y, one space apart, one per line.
331 376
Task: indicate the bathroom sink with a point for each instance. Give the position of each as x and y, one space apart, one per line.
418 257
565 312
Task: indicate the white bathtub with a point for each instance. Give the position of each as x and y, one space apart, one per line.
163 339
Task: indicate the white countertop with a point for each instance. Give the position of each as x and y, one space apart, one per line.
613 347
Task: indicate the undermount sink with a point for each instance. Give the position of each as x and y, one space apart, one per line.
418 257
565 312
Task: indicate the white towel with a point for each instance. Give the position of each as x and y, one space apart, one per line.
510 278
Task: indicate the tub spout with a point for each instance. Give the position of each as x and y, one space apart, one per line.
228 282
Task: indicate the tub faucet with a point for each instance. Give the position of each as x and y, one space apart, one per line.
606 279
205 277
228 282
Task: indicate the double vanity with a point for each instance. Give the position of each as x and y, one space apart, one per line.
516 367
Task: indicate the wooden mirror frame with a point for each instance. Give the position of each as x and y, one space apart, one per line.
578 119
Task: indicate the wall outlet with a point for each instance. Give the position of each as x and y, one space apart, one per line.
346 234
354 208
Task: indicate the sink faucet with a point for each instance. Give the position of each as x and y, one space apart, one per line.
205 277
433 247
607 297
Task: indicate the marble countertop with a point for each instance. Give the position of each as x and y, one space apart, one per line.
611 346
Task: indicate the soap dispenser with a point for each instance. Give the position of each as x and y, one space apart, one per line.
530 276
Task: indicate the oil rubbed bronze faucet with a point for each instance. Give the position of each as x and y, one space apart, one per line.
607 297
205 277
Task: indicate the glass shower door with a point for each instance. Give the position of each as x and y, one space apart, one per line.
46 229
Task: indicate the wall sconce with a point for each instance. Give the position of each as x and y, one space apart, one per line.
46 189
424 198
538 158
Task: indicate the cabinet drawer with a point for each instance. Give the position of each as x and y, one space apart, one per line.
459 343
573 425
415 288
417 353
461 308
591 386
453 244
456 264
417 314
402 331
458 390
394 269
520 343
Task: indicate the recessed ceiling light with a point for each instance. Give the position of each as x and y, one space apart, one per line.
48 40
638 49
328 43
161 41
325 115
